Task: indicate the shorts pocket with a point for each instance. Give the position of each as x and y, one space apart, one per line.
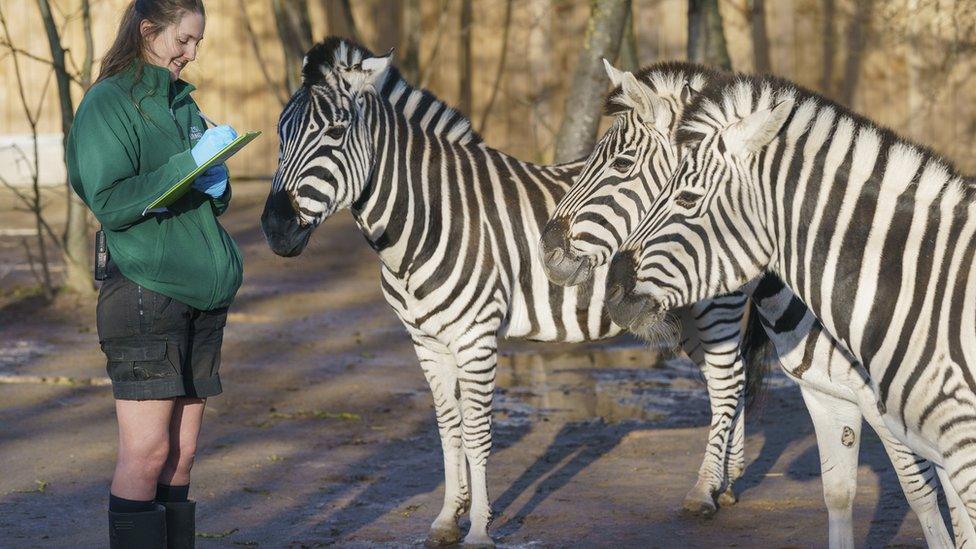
142 360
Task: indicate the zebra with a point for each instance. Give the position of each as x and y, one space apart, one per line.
455 224
601 214
626 169
856 222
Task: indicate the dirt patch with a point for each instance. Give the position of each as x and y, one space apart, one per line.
325 433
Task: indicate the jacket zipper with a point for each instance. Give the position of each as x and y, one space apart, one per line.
179 130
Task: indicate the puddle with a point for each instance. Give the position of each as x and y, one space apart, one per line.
19 352
613 384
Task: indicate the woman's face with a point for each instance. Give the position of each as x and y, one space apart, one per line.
176 45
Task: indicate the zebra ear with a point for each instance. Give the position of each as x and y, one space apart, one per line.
374 67
616 75
752 133
649 107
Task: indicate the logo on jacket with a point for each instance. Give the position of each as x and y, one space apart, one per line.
195 133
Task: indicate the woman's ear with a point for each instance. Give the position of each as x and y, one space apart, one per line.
145 28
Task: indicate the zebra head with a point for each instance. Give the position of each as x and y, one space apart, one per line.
325 155
626 169
706 233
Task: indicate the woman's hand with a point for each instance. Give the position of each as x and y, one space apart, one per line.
212 141
213 181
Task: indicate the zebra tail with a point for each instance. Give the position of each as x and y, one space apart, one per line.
758 355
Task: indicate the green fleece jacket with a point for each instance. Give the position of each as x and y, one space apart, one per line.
131 140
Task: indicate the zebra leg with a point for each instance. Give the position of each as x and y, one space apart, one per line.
441 373
718 323
735 461
962 523
915 474
837 423
477 359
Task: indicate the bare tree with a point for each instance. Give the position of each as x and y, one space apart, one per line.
760 38
857 39
295 33
581 118
340 20
628 60
388 21
501 67
706 38
829 43
409 56
278 90
75 239
32 201
464 59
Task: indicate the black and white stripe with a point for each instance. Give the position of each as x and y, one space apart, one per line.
456 226
629 164
873 233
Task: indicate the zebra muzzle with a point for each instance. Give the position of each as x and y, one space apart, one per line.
555 256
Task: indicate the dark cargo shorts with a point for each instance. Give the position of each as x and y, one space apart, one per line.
157 347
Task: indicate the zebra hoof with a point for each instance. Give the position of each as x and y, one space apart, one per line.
442 536
727 498
699 508
478 542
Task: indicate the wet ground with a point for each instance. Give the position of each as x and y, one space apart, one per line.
325 431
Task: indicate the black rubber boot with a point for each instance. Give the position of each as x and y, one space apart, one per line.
146 530
181 524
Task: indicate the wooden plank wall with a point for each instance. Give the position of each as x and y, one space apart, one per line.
916 74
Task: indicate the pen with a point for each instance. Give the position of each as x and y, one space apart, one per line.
208 120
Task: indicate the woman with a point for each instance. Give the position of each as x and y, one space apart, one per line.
172 272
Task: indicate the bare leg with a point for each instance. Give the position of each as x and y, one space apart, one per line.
143 447
184 429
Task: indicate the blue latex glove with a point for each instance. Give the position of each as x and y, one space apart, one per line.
211 142
213 181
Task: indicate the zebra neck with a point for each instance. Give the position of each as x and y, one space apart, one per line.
864 225
429 188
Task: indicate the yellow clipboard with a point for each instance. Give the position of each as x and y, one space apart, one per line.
183 185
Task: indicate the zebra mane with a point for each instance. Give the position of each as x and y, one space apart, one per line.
327 59
725 101
668 78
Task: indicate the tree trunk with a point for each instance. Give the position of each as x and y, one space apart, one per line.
706 39
857 39
627 60
829 43
409 56
295 33
501 67
760 38
584 103
338 16
388 20
464 60
75 238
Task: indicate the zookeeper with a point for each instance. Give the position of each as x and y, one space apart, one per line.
172 273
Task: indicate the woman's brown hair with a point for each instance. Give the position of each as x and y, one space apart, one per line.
130 43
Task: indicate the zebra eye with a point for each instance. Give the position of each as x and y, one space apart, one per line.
687 199
336 132
622 163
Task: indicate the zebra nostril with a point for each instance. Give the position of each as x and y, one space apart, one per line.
555 256
615 295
